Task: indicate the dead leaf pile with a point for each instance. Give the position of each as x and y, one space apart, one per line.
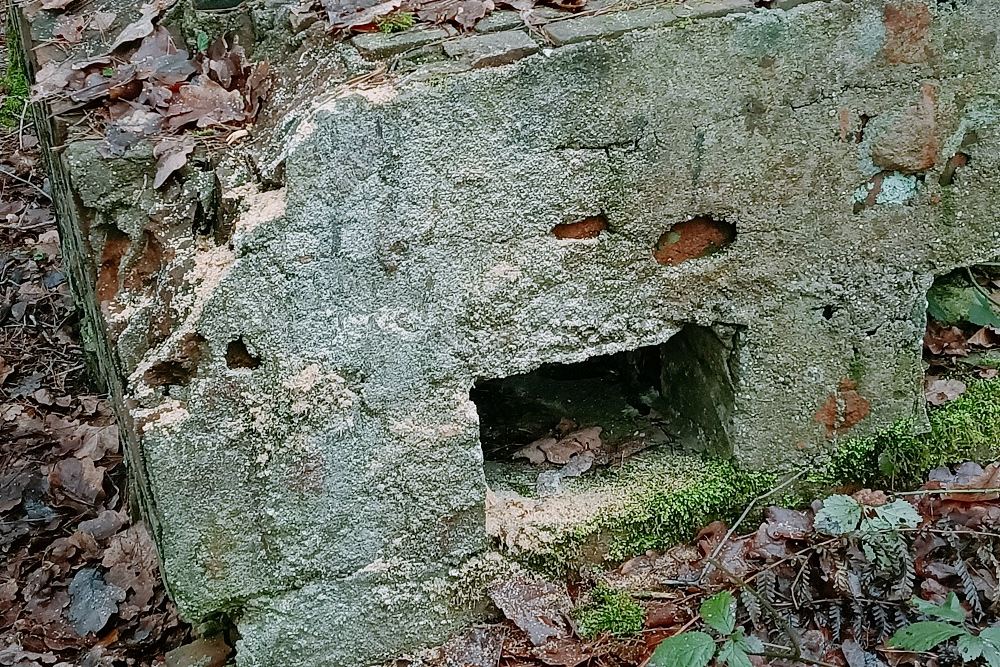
78 580
146 87
963 331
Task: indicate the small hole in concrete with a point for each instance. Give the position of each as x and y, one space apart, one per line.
181 368
585 228
864 119
678 394
829 312
239 356
957 161
698 237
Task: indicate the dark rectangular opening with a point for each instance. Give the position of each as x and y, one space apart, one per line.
678 395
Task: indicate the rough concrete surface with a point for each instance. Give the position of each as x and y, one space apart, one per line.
317 474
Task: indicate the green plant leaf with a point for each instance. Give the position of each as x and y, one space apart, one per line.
990 637
897 514
949 302
688 649
924 636
840 515
719 612
202 41
951 610
749 643
970 647
732 654
983 312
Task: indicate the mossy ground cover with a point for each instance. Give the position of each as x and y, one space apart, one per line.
967 428
611 611
14 87
651 501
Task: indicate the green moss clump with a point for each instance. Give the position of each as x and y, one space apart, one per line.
14 86
967 428
720 490
397 22
665 499
610 611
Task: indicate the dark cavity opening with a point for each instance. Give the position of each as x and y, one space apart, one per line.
698 237
585 228
238 356
678 395
957 161
181 368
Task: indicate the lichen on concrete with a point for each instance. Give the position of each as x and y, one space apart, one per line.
385 242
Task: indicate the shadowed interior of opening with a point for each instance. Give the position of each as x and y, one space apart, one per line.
679 395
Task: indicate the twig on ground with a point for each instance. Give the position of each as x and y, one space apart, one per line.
746 512
26 182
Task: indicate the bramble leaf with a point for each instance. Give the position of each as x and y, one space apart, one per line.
749 643
990 637
732 654
719 612
951 610
924 636
970 647
897 514
688 649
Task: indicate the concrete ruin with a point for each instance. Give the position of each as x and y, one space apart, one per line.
750 202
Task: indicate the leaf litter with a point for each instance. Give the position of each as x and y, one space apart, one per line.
79 581
836 579
146 87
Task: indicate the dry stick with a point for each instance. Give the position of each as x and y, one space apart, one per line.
20 127
26 182
928 492
785 627
718 548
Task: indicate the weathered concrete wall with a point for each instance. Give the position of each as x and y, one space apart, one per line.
316 471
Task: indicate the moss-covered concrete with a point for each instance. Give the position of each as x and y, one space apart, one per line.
652 500
967 428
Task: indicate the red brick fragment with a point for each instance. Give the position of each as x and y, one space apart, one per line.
587 228
697 237
907 32
843 409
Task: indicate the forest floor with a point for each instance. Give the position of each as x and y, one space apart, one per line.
79 583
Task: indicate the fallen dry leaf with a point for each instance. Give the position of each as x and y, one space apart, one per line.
536 606
171 155
939 391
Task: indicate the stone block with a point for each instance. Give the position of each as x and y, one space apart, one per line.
379 45
501 20
607 26
703 9
492 49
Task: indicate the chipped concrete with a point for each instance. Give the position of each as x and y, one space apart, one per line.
393 244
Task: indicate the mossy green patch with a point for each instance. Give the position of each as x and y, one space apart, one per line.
610 611
652 501
14 87
395 22
967 428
